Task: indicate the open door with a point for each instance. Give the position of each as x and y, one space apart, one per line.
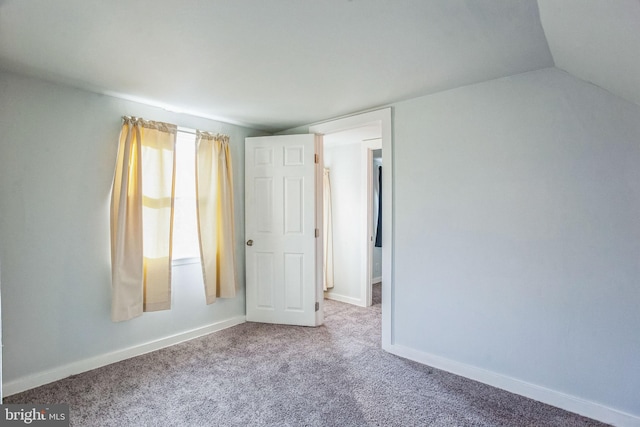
283 229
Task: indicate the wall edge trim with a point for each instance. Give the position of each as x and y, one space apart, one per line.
590 409
342 298
50 375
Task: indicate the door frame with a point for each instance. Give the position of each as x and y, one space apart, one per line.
383 117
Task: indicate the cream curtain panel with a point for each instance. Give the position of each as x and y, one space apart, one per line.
328 232
214 195
141 218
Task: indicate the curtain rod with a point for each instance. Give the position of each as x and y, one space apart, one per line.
186 130
194 132
180 128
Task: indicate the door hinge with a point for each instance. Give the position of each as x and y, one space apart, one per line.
317 233
316 158
317 306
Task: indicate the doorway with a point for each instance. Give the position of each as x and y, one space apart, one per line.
376 235
349 223
349 145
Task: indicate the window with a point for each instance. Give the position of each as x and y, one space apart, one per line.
186 247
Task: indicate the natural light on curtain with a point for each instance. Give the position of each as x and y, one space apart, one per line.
141 218
214 194
328 232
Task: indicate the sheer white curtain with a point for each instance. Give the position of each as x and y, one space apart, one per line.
328 232
141 218
214 195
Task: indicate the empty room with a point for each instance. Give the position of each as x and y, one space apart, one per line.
320 213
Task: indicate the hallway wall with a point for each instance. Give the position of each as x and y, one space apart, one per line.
347 198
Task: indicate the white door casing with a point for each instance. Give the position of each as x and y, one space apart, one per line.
284 278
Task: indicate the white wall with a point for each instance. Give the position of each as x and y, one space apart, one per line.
57 156
344 162
517 234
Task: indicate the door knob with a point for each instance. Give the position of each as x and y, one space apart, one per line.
249 242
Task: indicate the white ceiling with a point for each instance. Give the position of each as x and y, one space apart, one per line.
281 63
597 41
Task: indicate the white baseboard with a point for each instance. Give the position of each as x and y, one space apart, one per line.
342 298
58 373
555 398
375 280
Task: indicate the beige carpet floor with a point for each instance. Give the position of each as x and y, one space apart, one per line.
270 375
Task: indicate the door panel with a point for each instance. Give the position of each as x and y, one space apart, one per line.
265 280
280 223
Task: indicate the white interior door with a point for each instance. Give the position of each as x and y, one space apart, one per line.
284 278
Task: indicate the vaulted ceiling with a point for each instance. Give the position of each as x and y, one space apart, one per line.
280 63
597 41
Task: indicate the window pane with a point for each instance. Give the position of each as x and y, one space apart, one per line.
185 232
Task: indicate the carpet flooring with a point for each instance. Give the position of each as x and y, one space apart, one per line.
269 375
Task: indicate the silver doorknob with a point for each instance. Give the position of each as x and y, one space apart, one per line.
249 242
